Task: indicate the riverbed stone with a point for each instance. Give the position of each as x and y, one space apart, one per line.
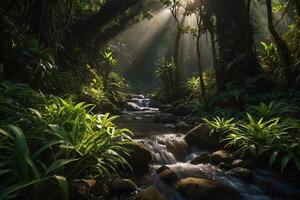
202 158
167 108
138 96
139 157
161 169
241 172
83 189
225 166
181 110
221 156
165 118
130 106
170 126
199 189
150 193
154 103
123 186
168 176
240 163
201 138
182 125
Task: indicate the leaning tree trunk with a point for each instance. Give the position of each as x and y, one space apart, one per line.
237 61
177 87
283 49
200 70
214 55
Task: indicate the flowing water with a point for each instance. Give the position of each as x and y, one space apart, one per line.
171 149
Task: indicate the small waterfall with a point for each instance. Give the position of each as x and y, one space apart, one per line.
166 149
171 150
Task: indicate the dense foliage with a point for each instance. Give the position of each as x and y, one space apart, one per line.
49 140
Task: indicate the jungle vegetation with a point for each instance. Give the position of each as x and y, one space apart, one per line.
58 61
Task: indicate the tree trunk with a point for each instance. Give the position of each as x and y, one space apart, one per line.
202 86
283 49
237 61
214 55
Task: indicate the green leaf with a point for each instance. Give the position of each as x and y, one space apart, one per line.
253 150
273 158
59 164
284 162
297 163
63 185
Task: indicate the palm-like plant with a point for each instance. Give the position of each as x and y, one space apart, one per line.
221 125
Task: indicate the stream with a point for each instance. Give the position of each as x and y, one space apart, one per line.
168 147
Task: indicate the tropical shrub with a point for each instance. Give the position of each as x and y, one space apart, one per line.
55 143
257 137
165 73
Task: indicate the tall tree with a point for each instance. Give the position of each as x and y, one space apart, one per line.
237 57
282 47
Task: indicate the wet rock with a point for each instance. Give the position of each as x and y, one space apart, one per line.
123 186
203 158
181 110
167 108
139 157
130 106
83 189
139 96
240 163
221 156
224 166
182 125
153 103
170 126
201 138
199 189
150 193
178 147
161 169
168 176
240 172
165 118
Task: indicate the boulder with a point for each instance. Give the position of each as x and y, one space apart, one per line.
201 138
168 176
178 147
182 125
181 110
139 157
203 158
165 118
123 186
167 108
161 169
138 96
240 172
130 106
199 189
221 156
239 163
150 193
224 166
154 103
82 189
170 126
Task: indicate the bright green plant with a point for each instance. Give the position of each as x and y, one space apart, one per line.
20 168
108 61
57 141
165 73
273 109
221 125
